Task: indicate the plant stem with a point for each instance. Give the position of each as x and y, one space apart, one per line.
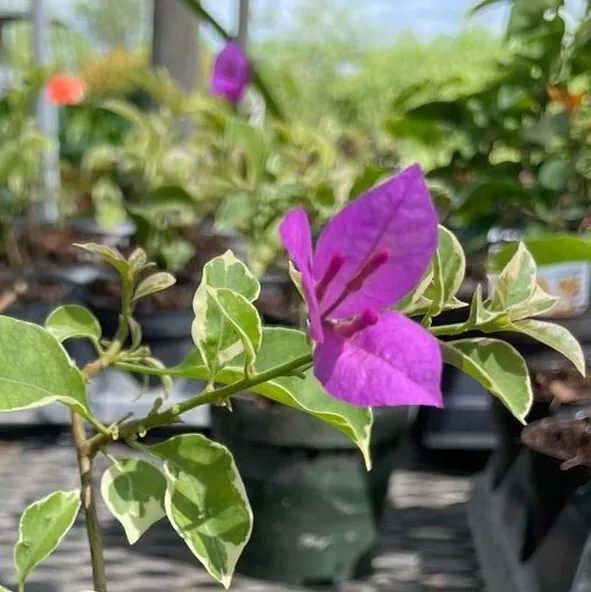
93 529
85 453
167 417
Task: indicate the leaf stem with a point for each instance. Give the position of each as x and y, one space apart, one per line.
442 330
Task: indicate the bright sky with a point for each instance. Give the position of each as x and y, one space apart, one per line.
424 17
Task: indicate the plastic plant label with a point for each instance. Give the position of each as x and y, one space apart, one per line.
570 283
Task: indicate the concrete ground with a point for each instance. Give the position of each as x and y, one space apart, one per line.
425 545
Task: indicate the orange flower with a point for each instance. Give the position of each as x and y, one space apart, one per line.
65 90
570 102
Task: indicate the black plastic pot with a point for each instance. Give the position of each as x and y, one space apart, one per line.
317 510
530 520
279 301
464 422
530 530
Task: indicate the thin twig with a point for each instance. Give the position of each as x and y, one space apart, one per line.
93 529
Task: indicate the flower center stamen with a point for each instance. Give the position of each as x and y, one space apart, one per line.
371 266
373 263
366 319
334 266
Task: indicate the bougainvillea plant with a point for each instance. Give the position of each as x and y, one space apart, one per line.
231 73
373 285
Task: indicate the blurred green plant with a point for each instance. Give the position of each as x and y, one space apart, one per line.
21 149
518 149
191 159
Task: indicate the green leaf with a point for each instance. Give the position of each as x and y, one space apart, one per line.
135 332
366 180
108 254
42 527
453 263
206 502
154 283
251 142
497 366
451 112
235 210
324 196
553 174
526 15
554 336
482 5
558 248
3 589
296 278
73 321
134 493
36 370
280 345
127 111
176 253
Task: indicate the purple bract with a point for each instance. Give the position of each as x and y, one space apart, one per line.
367 258
231 73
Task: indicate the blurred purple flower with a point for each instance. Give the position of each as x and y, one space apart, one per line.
231 73
367 258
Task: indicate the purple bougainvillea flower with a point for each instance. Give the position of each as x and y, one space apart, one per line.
231 73
366 259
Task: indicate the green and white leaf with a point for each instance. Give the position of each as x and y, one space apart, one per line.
42 527
137 260
134 491
415 303
206 502
227 271
226 323
516 284
480 315
155 283
72 321
281 345
36 369
497 366
452 262
107 254
540 303
435 291
555 336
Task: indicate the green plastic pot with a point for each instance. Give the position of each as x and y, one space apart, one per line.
316 509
